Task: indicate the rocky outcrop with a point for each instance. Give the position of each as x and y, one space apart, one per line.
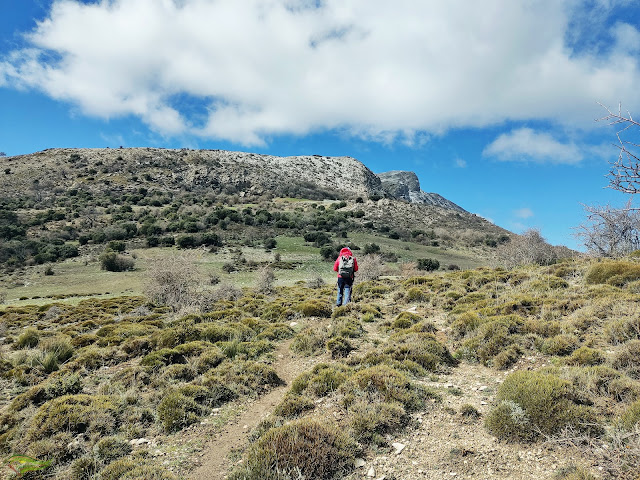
127 169
406 186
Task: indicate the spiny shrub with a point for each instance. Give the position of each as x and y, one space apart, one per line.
177 411
616 273
315 308
586 356
349 327
322 379
303 448
405 320
421 348
574 473
369 421
628 359
532 404
416 294
507 358
293 405
339 347
464 324
127 469
560 345
630 417
108 449
384 382
74 413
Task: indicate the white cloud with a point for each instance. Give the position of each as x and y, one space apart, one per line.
525 144
524 213
460 163
383 70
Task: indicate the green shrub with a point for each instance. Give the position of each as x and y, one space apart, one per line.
384 382
339 347
586 356
506 358
303 448
405 320
560 345
628 359
74 413
372 420
112 262
613 272
108 449
176 411
630 417
428 264
127 469
293 405
532 404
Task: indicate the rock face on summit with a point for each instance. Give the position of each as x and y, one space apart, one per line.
310 176
406 186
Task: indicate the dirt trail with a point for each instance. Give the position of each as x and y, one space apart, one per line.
216 464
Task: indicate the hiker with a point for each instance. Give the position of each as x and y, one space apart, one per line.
346 265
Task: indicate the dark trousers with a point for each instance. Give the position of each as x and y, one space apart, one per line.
344 291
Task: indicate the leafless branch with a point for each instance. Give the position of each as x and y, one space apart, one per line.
624 175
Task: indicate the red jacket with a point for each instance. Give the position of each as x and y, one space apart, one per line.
345 252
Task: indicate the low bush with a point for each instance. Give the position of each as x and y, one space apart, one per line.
560 345
302 448
315 308
339 347
385 383
293 405
627 359
176 411
630 417
370 421
76 414
617 273
112 262
110 448
28 339
585 356
531 404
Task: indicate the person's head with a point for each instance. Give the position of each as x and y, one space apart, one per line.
346 252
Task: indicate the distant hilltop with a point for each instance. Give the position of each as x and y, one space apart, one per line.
240 172
406 186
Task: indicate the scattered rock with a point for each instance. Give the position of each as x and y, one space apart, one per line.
360 462
399 447
371 472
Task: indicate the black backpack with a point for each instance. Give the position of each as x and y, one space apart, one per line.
346 266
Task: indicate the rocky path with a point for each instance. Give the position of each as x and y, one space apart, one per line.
216 463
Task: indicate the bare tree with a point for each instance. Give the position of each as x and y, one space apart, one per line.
608 231
526 249
624 175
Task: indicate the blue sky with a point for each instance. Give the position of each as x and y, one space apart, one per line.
493 104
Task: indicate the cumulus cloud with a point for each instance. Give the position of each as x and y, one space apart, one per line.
384 70
525 144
